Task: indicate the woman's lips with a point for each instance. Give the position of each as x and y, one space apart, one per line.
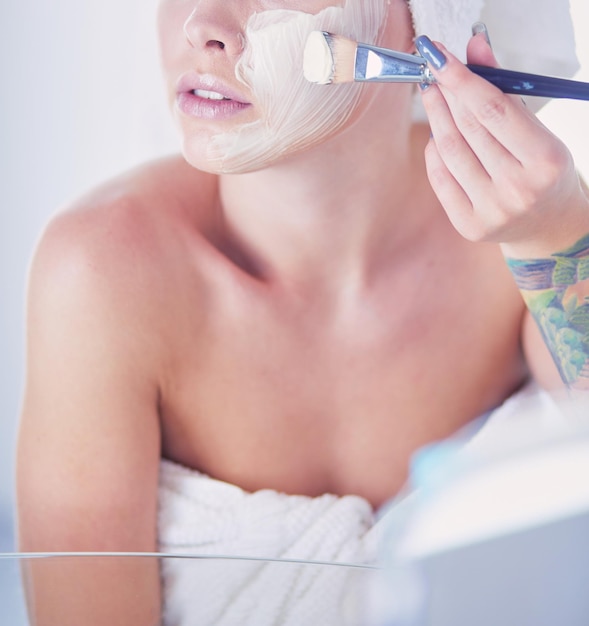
196 104
208 98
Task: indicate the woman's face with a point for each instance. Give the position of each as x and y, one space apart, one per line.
235 78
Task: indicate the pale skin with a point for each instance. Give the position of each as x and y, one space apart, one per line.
303 328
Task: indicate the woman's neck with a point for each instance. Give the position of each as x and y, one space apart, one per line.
331 212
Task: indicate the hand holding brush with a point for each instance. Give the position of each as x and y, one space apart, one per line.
498 172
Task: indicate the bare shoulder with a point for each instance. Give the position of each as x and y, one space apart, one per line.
119 243
99 291
129 215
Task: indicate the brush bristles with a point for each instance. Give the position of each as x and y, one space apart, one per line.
343 53
329 58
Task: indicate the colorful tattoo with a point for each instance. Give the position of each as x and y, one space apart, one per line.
556 291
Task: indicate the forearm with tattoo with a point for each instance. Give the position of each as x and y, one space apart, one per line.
556 291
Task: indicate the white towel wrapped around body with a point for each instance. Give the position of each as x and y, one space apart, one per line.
203 516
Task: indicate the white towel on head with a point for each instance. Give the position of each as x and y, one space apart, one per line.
447 21
533 36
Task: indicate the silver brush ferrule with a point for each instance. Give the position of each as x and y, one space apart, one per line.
380 65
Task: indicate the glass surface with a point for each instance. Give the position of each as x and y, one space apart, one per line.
335 592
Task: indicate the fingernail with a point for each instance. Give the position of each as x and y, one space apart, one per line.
430 52
481 27
424 86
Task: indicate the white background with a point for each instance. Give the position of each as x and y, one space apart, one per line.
81 99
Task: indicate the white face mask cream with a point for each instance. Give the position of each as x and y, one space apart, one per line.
294 112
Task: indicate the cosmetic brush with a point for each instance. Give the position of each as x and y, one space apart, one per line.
333 59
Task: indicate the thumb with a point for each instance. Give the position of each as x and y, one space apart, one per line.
478 51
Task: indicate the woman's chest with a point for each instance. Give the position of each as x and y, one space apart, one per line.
266 402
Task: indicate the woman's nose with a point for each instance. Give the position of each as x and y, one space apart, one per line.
215 26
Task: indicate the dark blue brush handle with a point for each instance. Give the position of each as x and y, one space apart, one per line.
525 84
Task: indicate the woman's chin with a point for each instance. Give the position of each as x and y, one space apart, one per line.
197 153
208 158
253 148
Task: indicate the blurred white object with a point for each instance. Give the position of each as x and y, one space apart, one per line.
497 531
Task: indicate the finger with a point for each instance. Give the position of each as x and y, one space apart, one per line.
505 120
493 156
480 52
457 154
547 156
450 193
479 49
